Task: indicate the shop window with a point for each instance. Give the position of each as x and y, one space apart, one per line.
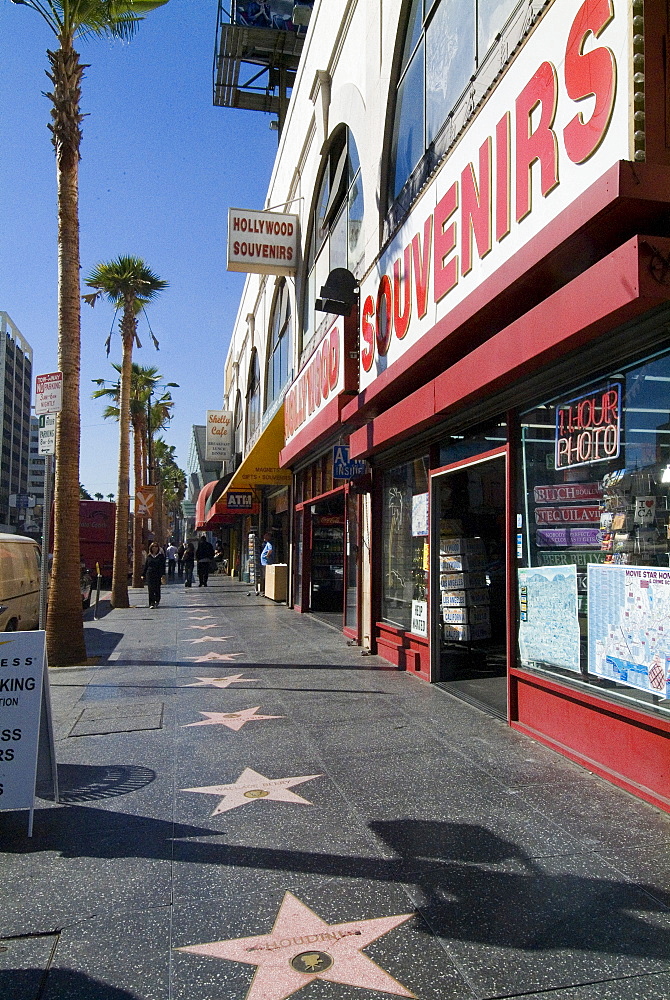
444 46
253 397
336 234
405 553
279 345
593 535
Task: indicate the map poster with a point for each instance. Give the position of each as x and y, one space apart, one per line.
629 626
549 629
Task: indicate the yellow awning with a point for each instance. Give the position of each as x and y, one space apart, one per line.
261 465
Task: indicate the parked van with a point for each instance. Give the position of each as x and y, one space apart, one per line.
19 583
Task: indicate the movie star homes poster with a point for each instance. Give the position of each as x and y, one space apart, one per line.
629 626
549 626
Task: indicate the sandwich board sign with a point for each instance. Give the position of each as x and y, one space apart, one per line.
26 728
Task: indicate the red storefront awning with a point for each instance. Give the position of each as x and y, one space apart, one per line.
203 497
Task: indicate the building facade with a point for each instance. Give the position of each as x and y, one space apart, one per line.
476 393
16 371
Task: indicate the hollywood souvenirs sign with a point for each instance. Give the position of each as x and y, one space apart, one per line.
556 122
262 242
320 381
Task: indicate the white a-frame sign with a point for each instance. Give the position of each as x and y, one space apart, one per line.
26 728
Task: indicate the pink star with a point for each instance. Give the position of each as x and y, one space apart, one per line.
251 787
200 618
214 656
211 638
302 947
219 682
203 628
233 720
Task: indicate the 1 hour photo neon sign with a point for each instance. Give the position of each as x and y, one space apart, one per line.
557 120
588 428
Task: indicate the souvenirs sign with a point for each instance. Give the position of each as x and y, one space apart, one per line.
262 242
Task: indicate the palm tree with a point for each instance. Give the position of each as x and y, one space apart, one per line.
68 20
98 496
143 380
128 284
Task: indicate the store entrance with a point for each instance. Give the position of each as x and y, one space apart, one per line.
469 582
327 559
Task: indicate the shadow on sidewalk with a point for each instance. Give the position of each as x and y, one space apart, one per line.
56 984
87 782
521 903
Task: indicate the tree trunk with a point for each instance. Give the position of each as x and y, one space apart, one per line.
65 627
138 522
120 570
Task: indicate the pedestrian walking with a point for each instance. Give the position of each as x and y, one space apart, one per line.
154 570
189 562
171 560
180 560
204 555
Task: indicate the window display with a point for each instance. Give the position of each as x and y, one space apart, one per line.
405 552
595 491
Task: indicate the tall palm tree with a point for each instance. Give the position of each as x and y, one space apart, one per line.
68 20
144 378
128 284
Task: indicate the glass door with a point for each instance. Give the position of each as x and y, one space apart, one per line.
469 582
352 564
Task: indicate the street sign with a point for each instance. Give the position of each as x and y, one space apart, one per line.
47 434
49 393
344 467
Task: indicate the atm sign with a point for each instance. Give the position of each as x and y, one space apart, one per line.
240 500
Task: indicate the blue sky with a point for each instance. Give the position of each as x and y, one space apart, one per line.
160 167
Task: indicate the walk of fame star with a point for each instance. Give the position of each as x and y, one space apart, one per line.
251 786
233 720
220 682
213 656
203 628
200 618
210 638
302 947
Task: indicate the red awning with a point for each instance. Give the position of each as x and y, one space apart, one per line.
203 497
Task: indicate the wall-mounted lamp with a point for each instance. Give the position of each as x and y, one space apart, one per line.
339 293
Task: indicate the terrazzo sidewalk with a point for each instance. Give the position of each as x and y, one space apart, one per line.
251 810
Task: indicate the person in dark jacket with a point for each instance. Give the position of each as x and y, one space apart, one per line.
189 563
154 571
203 556
180 560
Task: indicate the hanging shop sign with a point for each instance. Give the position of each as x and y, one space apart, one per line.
588 428
240 500
556 122
219 436
320 381
262 242
345 467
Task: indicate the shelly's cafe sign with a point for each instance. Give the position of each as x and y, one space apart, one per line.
559 118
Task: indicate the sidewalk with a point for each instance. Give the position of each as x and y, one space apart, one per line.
233 770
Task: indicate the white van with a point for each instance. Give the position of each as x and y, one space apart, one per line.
19 583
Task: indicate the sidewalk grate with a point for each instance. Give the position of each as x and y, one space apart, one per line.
127 717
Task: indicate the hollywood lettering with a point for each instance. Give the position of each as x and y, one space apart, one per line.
588 428
487 198
315 384
262 227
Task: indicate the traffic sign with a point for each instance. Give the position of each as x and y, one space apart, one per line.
47 434
49 393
